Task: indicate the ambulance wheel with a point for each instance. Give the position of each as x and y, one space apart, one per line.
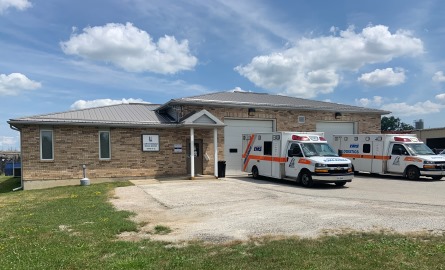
437 177
255 173
306 179
412 173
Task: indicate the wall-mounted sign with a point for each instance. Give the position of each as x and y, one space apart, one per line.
177 148
150 142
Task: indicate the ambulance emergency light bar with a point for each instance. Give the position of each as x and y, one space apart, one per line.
307 138
405 139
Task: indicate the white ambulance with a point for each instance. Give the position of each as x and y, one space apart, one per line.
302 157
399 154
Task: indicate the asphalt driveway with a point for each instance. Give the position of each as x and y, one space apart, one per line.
239 208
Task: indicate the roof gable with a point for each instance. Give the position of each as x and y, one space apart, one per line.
202 118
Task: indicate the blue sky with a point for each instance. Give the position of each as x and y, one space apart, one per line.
59 55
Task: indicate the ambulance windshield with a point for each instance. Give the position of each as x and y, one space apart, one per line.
317 149
419 149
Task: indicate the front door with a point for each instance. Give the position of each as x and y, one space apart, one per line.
396 163
198 157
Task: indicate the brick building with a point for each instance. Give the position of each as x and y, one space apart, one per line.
129 141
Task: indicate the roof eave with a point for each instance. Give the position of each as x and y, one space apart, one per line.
19 124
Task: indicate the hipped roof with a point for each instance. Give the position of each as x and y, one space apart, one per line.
154 115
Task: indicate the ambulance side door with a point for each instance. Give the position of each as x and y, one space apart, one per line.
396 163
377 157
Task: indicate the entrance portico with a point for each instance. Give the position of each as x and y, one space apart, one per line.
202 120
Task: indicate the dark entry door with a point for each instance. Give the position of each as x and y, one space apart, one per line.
198 157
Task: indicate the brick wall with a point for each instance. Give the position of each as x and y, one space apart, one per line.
287 120
78 145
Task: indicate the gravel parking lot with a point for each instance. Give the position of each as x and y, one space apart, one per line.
238 208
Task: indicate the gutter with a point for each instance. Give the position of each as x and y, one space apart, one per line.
21 154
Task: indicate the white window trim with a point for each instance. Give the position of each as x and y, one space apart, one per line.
52 144
109 145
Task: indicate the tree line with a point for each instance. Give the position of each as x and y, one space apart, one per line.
394 124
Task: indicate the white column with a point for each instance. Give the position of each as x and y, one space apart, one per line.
192 154
215 148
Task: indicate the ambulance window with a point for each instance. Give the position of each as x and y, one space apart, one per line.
267 148
398 150
366 148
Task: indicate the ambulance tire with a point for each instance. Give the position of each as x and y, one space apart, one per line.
306 179
437 177
255 172
412 173
340 184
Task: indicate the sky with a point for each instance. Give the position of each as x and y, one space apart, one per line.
61 55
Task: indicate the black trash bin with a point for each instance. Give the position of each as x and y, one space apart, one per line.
221 168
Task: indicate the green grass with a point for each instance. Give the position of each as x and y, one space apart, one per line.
7 183
75 228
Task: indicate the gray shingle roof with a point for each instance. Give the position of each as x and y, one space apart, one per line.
260 100
121 114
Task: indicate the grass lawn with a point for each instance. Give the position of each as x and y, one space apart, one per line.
75 228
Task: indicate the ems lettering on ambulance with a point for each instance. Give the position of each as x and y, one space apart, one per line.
353 149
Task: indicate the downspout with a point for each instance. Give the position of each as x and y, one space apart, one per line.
21 155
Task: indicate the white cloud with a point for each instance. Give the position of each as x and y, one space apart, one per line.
439 77
238 89
383 77
376 101
14 83
131 48
7 141
84 104
441 98
419 108
312 66
18 4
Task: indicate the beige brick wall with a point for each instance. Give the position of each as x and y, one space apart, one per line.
287 120
78 145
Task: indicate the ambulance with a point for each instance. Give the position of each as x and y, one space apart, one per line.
302 157
395 154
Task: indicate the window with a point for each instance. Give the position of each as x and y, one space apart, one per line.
366 148
104 145
267 148
46 145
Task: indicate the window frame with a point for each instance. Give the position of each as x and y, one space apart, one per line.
41 144
100 145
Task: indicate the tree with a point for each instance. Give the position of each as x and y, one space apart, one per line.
394 124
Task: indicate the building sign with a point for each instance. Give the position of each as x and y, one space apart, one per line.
150 142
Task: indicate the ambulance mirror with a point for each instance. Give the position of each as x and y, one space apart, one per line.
289 153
